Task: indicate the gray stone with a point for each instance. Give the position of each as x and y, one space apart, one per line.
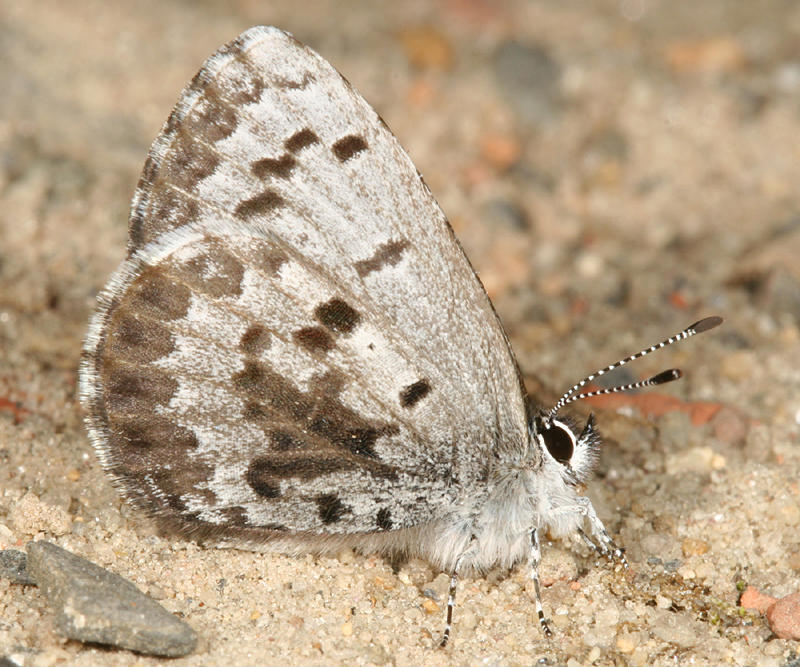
530 79
92 604
13 566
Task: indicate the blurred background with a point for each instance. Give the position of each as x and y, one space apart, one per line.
615 170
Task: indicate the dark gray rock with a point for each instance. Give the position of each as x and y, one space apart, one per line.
92 604
530 80
13 566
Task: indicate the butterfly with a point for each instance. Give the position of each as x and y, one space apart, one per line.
295 351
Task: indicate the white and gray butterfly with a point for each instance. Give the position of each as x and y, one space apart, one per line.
297 353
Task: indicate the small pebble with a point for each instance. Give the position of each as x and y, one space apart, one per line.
430 607
784 617
694 547
30 516
13 566
752 598
678 629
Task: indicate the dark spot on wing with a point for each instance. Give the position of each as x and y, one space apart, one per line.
253 375
264 474
157 296
138 340
387 254
280 167
270 390
242 84
143 458
136 389
314 339
212 117
340 425
284 442
348 146
337 315
233 516
261 204
260 480
413 393
261 254
273 260
304 466
330 508
215 272
384 519
300 140
174 490
255 340
155 432
172 207
360 441
169 498
188 162
255 412
334 434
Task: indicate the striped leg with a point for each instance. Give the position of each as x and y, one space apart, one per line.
451 598
597 538
536 557
604 545
451 601
607 548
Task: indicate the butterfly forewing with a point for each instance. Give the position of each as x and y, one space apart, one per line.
296 341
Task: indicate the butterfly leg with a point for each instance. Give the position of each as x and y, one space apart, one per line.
594 546
535 559
599 539
451 601
611 551
451 597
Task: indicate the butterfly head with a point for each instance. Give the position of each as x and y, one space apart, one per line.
572 450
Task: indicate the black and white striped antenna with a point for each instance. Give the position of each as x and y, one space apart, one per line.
660 378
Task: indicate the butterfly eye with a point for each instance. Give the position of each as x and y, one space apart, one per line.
559 442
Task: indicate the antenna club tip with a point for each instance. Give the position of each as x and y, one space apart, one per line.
666 376
706 323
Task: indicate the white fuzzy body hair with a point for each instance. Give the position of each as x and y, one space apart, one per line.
496 531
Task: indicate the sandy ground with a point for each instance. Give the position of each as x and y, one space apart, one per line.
615 171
